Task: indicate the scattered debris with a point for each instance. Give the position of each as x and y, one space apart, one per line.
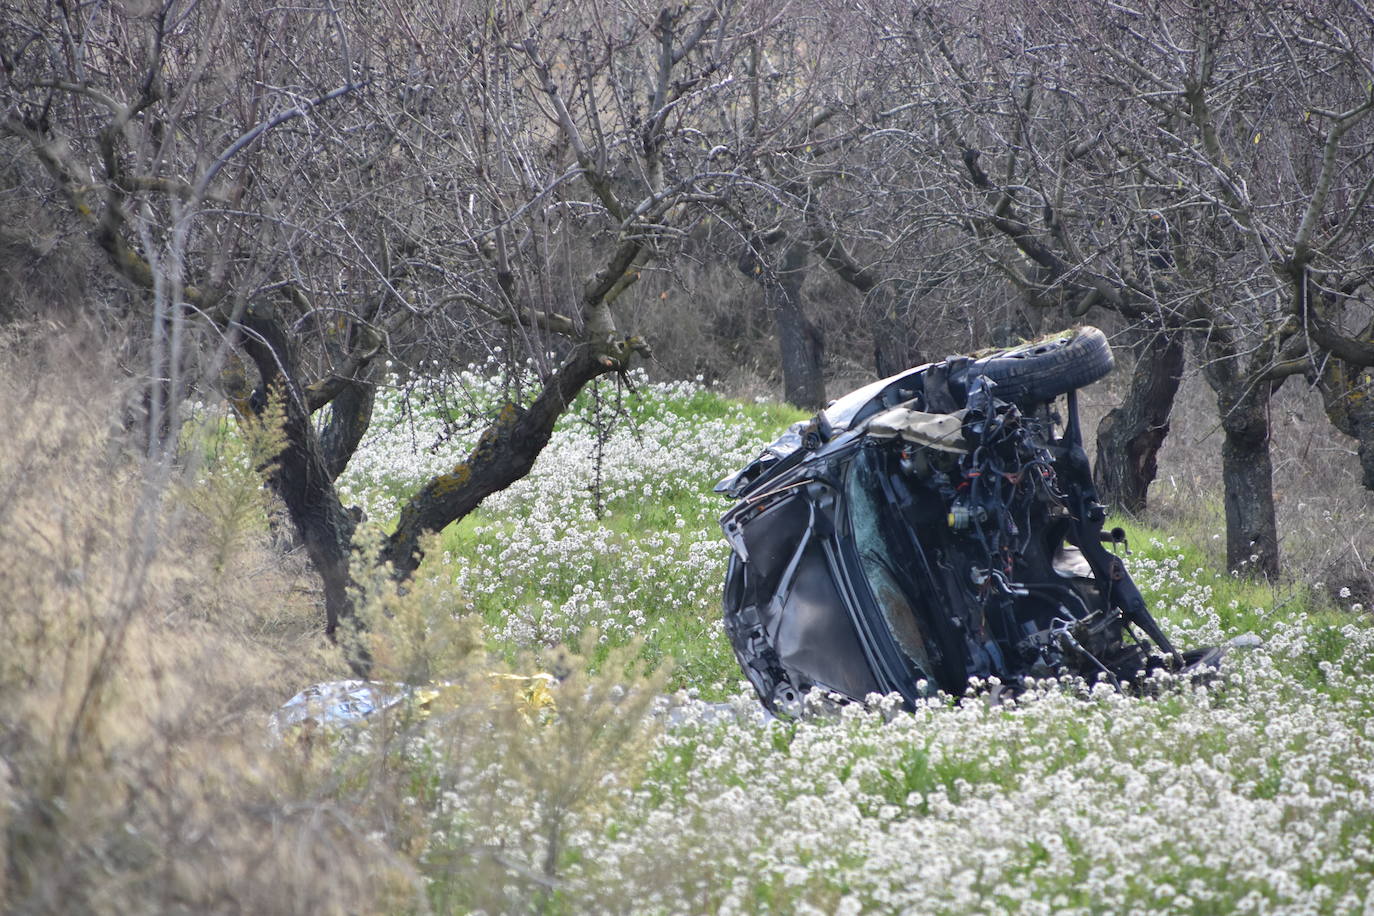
340 704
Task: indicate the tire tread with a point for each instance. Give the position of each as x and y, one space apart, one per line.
1039 372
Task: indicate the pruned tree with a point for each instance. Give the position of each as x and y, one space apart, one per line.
1025 175
1130 436
1254 133
778 265
322 189
828 110
1184 166
307 193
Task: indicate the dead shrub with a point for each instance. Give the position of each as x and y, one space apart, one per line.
139 670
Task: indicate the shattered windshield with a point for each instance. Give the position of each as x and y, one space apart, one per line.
883 540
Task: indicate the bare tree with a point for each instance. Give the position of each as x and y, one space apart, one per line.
831 114
1253 130
1130 436
321 188
308 192
1027 176
1186 166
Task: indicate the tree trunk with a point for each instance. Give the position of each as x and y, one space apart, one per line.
1348 396
300 475
1130 436
350 415
894 350
801 346
505 453
1252 544
800 343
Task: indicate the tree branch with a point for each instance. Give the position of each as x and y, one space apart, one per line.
253 133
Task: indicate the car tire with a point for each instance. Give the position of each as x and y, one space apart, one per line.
1043 370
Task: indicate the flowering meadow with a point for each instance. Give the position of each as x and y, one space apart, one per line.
1250 794
538 563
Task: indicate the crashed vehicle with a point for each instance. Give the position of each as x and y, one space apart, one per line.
934 528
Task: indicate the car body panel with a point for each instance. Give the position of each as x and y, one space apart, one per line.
920 533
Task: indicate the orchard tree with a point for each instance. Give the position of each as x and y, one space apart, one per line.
320 189
829 112
1199 170
1251 133
1043 200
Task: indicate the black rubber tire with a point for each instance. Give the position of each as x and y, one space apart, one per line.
1041 371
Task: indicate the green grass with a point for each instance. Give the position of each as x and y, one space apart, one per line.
1238 598
1062 798
687 634
680 580
1242 605
682 621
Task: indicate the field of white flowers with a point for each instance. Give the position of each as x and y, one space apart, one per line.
536 560
1254 794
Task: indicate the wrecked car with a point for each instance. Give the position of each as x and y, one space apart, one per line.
933 528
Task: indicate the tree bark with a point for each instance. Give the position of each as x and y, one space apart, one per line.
893 348
350 415
300 474
1348 396
1252 544
801 345
505 453
1130 436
